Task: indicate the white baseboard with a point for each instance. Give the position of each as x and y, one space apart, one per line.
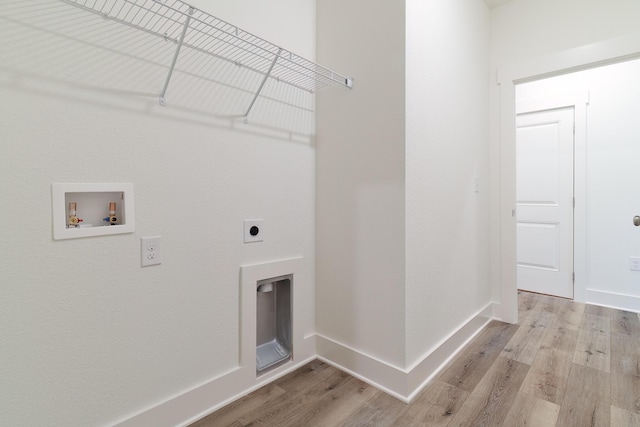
404 384
386 377
190 406
613 300
263 381
421 373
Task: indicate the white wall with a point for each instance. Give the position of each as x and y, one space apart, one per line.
447 231
523 29
360 179
402 246
612 153
530 38
88 336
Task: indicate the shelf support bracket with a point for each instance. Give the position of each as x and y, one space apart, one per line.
264 80
175 56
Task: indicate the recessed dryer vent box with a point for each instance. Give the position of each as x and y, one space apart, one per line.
273 323
85 210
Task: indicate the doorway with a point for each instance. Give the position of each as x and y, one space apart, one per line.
605 238
510 76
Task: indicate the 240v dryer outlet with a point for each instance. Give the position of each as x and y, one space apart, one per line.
253 230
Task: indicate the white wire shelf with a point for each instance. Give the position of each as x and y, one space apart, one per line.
177 22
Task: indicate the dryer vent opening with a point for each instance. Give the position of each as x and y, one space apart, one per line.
273 323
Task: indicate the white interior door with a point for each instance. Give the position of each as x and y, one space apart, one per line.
545 201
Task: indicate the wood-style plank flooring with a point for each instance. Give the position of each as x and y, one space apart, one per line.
563 364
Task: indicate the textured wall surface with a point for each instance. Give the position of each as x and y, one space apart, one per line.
88 336
402 235
447 226
360 179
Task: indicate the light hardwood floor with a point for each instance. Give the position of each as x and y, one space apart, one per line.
563 364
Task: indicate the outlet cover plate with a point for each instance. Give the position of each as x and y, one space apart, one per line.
634 263
253 230
150 251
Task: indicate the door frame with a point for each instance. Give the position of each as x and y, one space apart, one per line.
579 103
589 56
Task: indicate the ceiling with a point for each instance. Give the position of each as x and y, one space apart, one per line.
495 3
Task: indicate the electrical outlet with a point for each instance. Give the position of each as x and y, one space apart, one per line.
253 230
150 253
634 263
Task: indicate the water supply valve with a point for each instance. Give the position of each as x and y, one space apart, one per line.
74 221
111 219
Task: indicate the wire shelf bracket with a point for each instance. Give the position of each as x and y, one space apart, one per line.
175 57
186 26
264 80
